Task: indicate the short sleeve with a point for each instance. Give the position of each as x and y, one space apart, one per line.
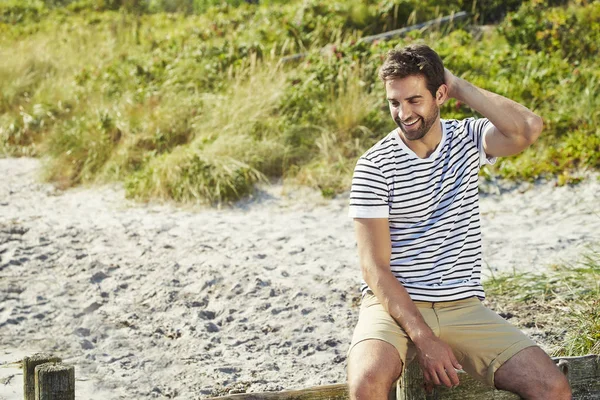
477 129
369 195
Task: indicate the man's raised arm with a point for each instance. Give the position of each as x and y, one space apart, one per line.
374 250
515 126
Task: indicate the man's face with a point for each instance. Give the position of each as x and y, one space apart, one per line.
412 106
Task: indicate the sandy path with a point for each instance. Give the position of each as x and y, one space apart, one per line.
153 301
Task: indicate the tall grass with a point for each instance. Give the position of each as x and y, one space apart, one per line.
344 132
235 143
569 295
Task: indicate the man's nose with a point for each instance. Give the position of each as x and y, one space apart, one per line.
403 113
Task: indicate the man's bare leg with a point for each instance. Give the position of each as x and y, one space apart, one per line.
533 375
373 367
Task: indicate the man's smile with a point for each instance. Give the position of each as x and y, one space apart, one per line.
410 123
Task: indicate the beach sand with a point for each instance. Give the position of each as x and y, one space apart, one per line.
159 301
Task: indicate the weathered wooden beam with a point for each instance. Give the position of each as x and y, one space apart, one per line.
29 364
392 34
329 392
583 374
403 31
54 382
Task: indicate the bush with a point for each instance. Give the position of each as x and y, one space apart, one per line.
16 12
573 31
193 177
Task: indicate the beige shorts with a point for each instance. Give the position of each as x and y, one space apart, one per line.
481 339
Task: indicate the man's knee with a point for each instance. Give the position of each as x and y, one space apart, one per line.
551 387
557 387
364 386
369 385
373 366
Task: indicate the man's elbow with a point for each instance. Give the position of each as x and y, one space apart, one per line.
371 273
535 126
367 272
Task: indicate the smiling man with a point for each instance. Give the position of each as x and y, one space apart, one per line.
414 201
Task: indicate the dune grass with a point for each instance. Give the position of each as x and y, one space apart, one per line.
565 300
233 143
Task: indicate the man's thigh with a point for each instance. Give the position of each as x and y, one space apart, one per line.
531 372
377 352
374 323
481 339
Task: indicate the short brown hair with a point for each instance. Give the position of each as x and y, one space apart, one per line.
416 59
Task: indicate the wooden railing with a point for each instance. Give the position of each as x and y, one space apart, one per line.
583 374
396 33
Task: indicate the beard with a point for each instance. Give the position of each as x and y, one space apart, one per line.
421 127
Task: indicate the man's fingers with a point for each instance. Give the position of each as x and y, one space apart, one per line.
451 372
443 378
427 377
431 377
454 361
428 386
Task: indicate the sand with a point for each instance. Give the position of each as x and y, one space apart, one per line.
159 301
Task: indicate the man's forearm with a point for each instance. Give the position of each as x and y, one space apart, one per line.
397 302
509 117
374 250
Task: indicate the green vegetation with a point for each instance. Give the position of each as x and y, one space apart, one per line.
569 296
188 99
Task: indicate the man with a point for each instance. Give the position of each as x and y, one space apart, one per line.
414 200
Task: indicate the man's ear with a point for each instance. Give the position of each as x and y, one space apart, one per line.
441 95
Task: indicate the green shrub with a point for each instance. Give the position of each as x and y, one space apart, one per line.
193 177
18 12
573 31
80 150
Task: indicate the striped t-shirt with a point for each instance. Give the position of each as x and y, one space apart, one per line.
432 208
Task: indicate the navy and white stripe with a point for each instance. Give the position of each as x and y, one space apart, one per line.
432 208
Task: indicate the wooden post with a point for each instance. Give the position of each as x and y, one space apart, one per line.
29 364
410 387
583 374
54 382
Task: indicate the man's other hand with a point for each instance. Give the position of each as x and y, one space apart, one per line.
437 362
452 82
